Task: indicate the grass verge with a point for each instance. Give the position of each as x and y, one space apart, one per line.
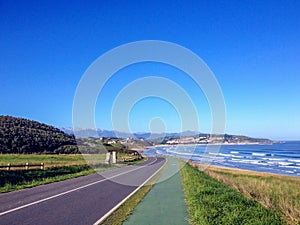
122 213
135 161
277 192
47 159
212 202
16 180
57 168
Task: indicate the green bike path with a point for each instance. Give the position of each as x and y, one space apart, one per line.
164 204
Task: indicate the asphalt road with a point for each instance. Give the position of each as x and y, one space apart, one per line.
82 200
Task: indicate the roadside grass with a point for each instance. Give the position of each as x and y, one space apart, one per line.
20 179
277 192
213 202
62 159
16 180
124 211
48 159
57 168
136 161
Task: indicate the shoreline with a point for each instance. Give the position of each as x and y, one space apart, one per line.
238 170
261 162
212 144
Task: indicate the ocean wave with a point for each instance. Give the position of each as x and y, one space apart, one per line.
238 156
226 155
295 156
213 153
289 171
234 152
181 153
286 163
273 159
294 160
294 168
261 154
272 163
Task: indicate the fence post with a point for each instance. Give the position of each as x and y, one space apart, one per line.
107 160
8 166
42 166
114 157
26 166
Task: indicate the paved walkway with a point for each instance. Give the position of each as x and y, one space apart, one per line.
164 204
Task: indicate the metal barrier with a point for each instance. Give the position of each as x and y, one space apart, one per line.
26 166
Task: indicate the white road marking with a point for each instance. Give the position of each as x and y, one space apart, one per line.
72 190
125 199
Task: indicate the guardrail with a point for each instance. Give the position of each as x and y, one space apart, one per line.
26 166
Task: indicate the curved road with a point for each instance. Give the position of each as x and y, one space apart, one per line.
83 200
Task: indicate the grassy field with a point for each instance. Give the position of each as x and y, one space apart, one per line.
213 202
277 192
20 179
57 168
48 160
61 160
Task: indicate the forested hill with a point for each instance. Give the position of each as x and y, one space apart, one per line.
26 136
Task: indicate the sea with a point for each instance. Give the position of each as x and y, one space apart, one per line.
279 158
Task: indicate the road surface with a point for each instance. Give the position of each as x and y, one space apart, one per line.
83 200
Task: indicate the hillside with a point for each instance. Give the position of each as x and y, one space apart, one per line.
26 136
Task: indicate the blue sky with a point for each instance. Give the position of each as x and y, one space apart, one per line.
251 46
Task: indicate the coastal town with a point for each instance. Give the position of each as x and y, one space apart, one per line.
216 139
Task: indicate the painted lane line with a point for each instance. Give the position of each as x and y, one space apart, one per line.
72 190
125 199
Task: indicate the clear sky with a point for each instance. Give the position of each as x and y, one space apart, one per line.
251 46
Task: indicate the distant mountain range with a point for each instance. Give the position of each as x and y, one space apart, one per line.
186 137
84 133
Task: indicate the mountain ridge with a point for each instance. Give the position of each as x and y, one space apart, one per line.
85 132
159 138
